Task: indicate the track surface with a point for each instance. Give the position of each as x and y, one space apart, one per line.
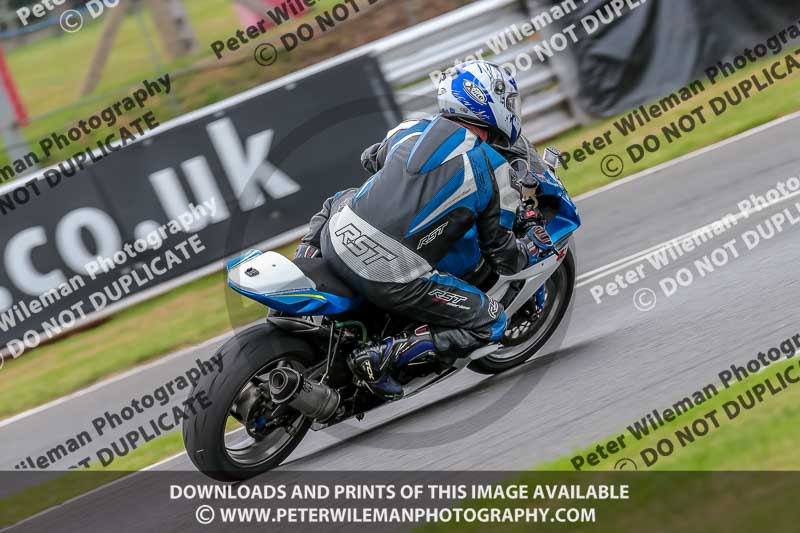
616 364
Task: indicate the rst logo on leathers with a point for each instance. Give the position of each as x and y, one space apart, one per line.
362 246
430 237
494 307
448 298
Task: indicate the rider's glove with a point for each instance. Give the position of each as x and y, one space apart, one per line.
538 244
307 250
369 159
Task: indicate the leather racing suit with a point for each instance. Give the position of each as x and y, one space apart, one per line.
440 203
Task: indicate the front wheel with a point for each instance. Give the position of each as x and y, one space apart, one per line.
528 331
242 434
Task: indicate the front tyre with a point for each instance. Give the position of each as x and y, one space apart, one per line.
528 332
235 438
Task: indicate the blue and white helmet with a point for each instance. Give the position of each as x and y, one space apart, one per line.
482 93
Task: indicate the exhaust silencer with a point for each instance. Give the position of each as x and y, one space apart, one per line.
314 400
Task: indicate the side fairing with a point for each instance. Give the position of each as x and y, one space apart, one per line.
273 280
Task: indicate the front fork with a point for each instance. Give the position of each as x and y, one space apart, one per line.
540 298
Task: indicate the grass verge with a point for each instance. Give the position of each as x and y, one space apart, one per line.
40 497
197 311
733 475
720 433
779 100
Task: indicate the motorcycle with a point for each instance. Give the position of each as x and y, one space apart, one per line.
290 373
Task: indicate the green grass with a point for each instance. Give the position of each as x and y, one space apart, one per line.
762 438
737 477
50 85
74 483
759 439
779 100
51 92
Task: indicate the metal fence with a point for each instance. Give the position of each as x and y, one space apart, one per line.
408 57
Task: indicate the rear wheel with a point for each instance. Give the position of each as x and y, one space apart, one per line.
530 328
242 433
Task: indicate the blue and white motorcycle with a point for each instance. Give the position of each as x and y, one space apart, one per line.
290 373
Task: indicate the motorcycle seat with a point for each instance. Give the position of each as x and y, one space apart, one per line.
326 280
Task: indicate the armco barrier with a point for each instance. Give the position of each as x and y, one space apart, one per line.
408 57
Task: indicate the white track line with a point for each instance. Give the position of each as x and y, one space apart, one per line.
610 186
640 256
692 155
635 177
112 380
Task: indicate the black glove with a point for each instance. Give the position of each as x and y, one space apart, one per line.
307 251
369 158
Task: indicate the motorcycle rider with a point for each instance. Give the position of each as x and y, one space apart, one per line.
440 202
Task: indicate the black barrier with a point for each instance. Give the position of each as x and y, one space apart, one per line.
230 164
628 52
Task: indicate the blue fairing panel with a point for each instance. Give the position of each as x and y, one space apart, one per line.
273 280
567 219
307 302
236 261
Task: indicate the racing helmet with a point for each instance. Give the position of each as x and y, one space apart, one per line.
484 94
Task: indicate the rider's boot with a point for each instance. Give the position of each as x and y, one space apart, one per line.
375 363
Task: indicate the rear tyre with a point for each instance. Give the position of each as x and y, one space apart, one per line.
526 334
235 455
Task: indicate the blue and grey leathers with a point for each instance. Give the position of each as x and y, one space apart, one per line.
439 203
